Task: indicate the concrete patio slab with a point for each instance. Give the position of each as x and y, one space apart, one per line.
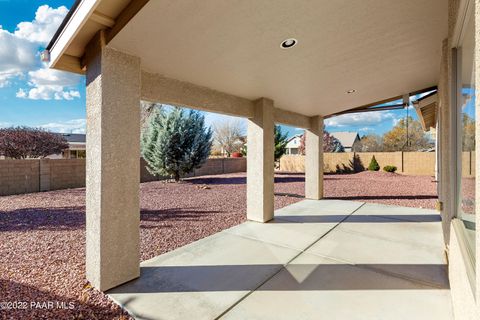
312 287
202 279
424 234
283 232
413 250
324 258
318 211
399 213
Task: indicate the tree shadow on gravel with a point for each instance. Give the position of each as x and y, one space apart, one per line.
175 214
73 218
35 304
243 180
291 195
27 219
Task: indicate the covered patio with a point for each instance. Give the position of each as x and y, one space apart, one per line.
329 259
292 63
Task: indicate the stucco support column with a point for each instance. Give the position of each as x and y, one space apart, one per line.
314 159
260 163
113 168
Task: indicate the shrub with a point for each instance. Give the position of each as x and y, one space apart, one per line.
373 166
390 168
237 155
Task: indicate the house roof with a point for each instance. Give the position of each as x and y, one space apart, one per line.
382 53
74 137
346 138
293 142
426 108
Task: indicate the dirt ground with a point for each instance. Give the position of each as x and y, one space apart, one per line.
42 235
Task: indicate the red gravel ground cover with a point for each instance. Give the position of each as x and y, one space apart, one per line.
42 235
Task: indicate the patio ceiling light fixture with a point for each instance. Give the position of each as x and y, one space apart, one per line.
351 91
288 43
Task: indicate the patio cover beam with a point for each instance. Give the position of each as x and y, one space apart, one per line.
158 88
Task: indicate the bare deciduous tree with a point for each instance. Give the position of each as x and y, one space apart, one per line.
229 136
146 110
369 143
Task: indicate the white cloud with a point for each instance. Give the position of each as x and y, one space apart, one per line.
50 84
70 126
363 119
16 56
41 29
19 58
21 93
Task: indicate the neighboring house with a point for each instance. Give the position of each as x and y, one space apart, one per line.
76 147
293 144
348 139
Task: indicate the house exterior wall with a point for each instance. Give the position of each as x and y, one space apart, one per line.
464 281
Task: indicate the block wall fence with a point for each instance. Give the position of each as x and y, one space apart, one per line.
27 176
409 163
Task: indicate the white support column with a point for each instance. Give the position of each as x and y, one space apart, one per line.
113 168
260 163
314 159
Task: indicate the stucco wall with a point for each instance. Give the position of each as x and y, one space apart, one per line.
463 298
27 176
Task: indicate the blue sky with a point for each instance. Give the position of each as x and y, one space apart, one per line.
33 95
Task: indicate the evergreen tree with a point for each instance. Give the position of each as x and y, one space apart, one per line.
175 142
373 166
281 140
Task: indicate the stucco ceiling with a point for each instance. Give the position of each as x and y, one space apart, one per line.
380 48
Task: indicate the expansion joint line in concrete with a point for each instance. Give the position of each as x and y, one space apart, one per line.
288 262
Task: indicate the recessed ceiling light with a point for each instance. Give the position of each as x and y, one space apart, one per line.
351 91
287 44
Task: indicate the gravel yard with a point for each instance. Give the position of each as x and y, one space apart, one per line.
42 235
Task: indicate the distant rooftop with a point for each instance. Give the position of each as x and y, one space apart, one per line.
346 138
74 137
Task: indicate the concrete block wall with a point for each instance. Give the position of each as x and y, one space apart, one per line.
66 173
212 166
27 176
410 163
19 176
419 163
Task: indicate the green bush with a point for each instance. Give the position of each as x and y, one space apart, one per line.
373 166
390 168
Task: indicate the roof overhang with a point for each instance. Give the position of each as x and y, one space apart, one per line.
382 49
426 108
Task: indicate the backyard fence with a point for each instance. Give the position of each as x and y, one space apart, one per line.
410 163
27 176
